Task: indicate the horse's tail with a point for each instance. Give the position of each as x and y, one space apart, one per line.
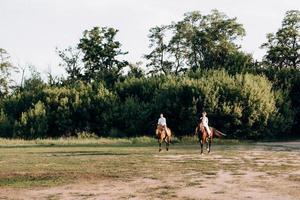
219 133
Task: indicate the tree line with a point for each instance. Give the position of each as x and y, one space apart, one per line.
194 64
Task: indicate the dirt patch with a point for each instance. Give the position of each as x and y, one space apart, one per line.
256 172
248 185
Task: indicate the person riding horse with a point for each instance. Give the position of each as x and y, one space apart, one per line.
162 122
205 133
163 133
204 121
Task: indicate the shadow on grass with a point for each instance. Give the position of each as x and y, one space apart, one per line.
75 145
29 180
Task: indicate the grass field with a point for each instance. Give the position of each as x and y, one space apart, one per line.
134 169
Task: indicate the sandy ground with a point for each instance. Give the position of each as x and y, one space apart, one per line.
225 185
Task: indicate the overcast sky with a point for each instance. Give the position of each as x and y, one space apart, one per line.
31 29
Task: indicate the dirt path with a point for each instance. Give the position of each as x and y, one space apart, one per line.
272 178
246 185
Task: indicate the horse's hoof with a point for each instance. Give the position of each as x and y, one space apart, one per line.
167 149
159 150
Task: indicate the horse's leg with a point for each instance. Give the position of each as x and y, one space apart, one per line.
209 145
201 146
159 145
167 144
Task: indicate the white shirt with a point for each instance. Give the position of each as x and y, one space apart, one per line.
204 121
162 121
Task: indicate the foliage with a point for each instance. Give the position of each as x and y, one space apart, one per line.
195 64
156 57
244 105
6 127
100 55
287 80
86 135
283 47
71 62
197 42
5 70
33 123
135 70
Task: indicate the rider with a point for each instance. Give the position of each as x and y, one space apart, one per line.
204 121
162 121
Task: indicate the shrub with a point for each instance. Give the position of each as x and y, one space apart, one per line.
86 135
33 123
6 126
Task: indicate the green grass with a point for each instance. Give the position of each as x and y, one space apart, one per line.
46 162
72 141
139 141
31 180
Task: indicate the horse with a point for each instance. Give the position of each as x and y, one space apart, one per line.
163 134
204 137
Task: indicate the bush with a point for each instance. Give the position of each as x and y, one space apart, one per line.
86 135
288 81
132 117
242 105
33 123
6 128
79 107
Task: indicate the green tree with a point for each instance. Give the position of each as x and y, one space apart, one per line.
158 62
283 47
71 62
211 39
198 42
101 54
177 48
135 70
5 70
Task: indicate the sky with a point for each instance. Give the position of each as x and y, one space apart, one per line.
30 30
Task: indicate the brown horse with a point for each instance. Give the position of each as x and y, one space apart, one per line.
204 138
163 134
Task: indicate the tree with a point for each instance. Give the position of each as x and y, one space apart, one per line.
5 70
283 47
157 57
198 41
34 82
211 39
135 70
100 55
71 58
177 48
